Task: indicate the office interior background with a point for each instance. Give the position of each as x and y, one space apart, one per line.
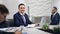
36 9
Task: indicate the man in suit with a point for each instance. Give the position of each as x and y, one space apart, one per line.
55 17
21 18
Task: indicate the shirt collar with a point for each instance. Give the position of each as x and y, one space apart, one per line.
55 13
21 13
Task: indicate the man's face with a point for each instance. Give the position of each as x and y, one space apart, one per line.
22 8
54 10
2 17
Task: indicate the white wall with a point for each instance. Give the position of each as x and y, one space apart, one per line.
12 6
39 8
1 2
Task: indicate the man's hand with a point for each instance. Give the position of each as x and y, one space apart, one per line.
36 24
18 32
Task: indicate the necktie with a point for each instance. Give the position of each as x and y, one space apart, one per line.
23 17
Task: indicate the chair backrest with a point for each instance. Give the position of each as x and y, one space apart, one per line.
10 22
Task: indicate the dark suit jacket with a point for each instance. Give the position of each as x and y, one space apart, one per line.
6 24
55 20
3 24
18 21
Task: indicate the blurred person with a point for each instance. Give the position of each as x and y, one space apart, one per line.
3 23
3 13
55 17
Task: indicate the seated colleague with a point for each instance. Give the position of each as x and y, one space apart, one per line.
3 23
55 17
3 13
21 18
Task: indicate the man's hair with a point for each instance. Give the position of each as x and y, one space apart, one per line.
20 5
3 9
55 8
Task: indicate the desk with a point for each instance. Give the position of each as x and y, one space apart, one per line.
32 30
52 26
28 30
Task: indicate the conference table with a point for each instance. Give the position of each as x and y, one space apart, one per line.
28 30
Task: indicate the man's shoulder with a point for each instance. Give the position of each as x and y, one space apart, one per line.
57 13
26 14
16 14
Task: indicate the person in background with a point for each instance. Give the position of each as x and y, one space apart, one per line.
55 17
21 18
3 13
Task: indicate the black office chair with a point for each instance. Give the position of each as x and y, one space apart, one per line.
10 23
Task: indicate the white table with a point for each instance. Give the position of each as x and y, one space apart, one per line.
28 30
32 30
52 26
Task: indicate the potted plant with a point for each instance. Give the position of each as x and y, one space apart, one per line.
45 27
56 30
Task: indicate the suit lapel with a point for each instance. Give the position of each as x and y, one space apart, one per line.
20 17
54 16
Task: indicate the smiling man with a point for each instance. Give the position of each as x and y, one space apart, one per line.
21 18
